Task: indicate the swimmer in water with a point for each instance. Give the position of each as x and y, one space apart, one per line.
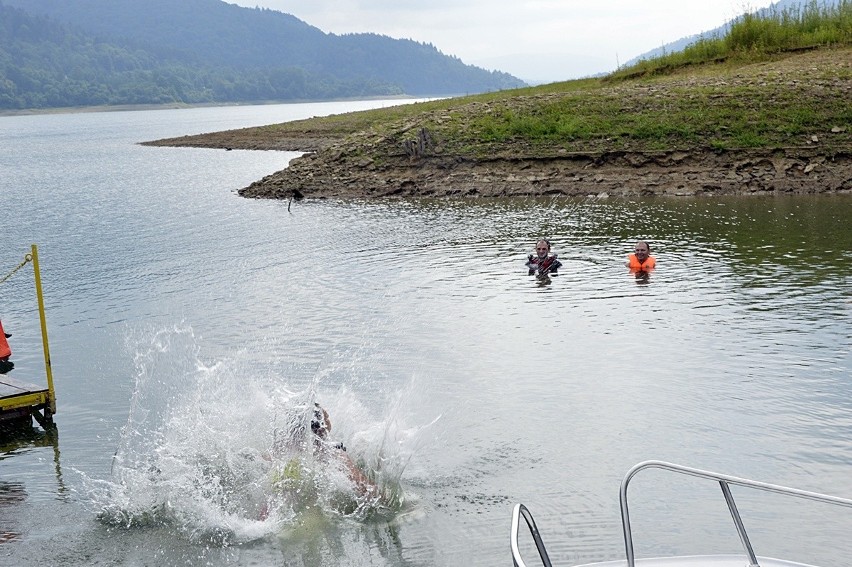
291 453
543 262
321 428
641 259
323 448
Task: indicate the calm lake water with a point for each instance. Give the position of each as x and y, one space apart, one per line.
187 323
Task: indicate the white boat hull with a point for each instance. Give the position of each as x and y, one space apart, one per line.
700 561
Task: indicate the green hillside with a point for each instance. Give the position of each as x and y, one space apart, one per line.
56 53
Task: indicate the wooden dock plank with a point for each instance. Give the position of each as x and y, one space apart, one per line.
17 396
11 387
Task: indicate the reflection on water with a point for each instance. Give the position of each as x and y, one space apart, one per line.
16 439
11 495
186 323
643 277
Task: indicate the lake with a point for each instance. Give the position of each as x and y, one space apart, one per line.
189 325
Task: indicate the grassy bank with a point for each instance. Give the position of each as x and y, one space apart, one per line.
753 38
781 80
785 100
714 94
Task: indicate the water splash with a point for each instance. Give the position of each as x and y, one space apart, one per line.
224 452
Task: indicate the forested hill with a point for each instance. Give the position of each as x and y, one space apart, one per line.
56 53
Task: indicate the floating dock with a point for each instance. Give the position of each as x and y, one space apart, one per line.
21 402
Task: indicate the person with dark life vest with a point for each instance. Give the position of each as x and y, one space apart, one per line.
543 262
641 259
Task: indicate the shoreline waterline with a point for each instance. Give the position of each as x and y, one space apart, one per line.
182 105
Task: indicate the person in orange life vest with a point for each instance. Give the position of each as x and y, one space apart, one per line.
543 262
641 259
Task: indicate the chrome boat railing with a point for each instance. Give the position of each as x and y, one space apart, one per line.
725 481
521 510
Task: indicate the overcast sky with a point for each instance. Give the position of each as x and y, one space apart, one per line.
536 40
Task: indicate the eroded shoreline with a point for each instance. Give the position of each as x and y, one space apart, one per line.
436 152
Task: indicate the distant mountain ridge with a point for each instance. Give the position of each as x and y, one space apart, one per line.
99 51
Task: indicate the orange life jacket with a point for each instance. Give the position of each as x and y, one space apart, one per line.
5 351
648 264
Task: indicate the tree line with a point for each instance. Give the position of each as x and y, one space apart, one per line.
206 51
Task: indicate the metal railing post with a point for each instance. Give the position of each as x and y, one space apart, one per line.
521 510
43 320
738 522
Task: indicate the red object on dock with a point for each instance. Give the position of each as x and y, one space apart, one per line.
5 351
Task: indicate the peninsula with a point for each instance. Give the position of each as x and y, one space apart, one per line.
778 123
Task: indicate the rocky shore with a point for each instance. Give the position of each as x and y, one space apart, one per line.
420 156
677 173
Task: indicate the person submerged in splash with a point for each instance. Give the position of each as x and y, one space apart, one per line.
324 450
543 262
321 427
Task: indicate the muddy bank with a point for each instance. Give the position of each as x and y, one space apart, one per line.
614 173
248 139
332 168
415 165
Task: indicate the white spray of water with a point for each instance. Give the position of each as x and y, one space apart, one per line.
201 451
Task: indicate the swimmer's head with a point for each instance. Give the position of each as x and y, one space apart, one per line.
294 436
542 247
642 249
320 423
